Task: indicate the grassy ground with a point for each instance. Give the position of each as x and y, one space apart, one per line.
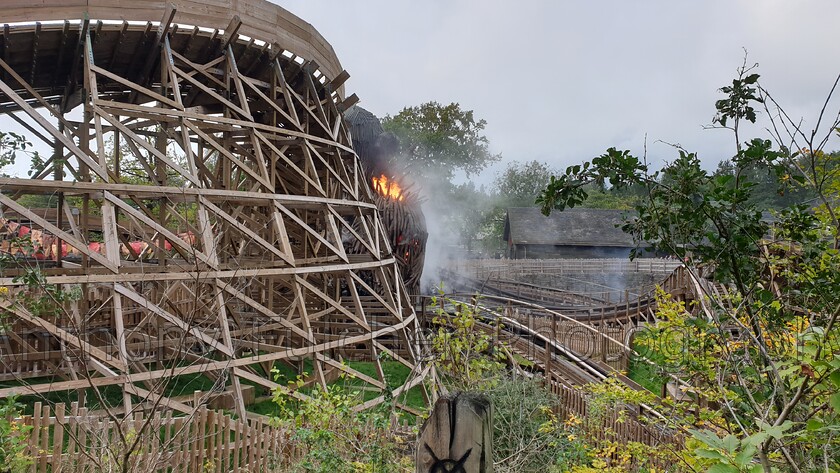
646 375
395 375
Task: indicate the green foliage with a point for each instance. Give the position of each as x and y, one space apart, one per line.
335 437
38 298
763 355
470 214
517 186
14 437
739 99
771 191
617 168
615 199
732 455
527 435
436 140
645 373
43 299
520 183
11 144
466 356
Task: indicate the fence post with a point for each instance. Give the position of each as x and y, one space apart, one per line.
58 438
553 340
457 437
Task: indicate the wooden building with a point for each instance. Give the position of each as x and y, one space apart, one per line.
572 233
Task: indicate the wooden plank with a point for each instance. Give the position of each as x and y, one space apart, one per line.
310 231
45 436
174 239
237 447
212 93
130 277
247 231
177 321
61 334
43 123
136 87
58 438
326 298
145 145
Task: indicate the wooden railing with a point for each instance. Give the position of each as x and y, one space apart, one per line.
569 350
513 268
620 424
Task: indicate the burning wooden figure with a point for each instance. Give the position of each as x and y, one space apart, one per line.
398 202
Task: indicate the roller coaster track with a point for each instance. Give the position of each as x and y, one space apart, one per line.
563 370
538 336
526 329
581 307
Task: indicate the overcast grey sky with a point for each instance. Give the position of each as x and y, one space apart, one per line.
560 81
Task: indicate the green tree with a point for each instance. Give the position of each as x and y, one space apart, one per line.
469 214
770 191
765 353
520 183
613 198
11 144
437 140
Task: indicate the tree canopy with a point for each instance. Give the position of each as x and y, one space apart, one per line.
520 183
437 140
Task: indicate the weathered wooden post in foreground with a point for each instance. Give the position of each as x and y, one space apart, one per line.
458 436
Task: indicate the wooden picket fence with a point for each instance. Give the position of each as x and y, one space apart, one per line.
75 440
207 441
611 424
616 423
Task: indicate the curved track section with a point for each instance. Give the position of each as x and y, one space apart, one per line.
538 347
216 174
580 307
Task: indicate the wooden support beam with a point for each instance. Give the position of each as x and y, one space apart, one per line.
152 53
231 32
338 81
36 37
348 102
244 227
70 87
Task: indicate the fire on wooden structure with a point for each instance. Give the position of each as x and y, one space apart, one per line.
398 200
251 237
405 223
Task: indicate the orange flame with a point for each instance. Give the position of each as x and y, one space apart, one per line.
387 188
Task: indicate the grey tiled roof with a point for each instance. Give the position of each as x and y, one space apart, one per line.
576 227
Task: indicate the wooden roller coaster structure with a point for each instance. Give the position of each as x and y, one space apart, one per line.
251 237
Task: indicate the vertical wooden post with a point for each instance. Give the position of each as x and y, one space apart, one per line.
549 368
549 349
457 437
58 175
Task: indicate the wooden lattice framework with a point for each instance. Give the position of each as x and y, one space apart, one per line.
238 248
